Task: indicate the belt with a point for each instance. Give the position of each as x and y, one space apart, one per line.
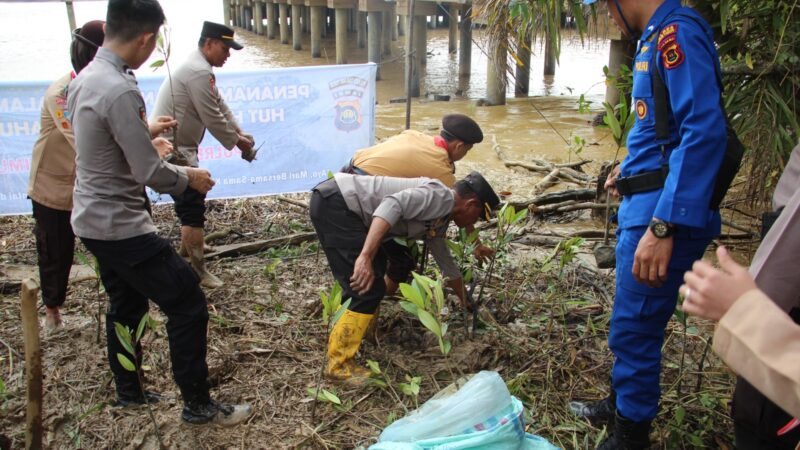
643 182
353 170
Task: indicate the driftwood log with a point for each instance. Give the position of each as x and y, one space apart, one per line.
556 197
249 248
33 364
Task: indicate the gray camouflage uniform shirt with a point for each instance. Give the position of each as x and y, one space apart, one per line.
115 157
198 105
414 207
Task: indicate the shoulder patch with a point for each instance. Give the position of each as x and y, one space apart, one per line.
641 109
667 35
672 55
143 114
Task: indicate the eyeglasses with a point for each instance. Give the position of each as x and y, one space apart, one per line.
77 35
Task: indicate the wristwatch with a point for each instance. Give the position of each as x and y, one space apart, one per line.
661 229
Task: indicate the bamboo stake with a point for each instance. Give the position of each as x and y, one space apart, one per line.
33 364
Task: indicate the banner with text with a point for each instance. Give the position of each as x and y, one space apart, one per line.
307 120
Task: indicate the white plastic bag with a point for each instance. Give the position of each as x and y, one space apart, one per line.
450 413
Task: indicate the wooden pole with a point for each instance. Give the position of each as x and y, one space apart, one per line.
341 36
226 12
248 18
258 16
402 26
393 21
549 56
496 75
410 64
317 13
297 30
33 364
465 43
374 31
284 24
421 42
361 29
71 15
272 22
452 35
386 37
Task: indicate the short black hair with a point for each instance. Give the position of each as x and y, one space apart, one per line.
128 19
464 190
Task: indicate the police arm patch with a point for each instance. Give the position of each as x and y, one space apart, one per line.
641 109
672 55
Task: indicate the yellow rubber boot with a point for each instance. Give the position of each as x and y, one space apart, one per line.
343 346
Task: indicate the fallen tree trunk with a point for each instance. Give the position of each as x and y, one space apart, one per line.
248 248
546 182
556 197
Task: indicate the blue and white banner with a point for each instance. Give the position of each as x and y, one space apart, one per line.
310 120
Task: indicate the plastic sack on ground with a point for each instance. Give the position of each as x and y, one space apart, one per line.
480 415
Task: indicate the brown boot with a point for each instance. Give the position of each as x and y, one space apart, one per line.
193 244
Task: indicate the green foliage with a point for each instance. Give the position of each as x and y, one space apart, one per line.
425 300
332 306
324 395
411 387
565 251
129 341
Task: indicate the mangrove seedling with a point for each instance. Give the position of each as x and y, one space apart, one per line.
332 311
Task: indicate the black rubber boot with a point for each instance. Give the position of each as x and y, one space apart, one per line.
627 435
199 409
125 400
598 413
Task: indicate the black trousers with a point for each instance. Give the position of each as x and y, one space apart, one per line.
757 420
147 267
55 245
342 234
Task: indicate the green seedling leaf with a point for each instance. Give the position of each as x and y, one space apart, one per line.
374 366
124 337
446 347
611 120
140 329
157 64
126 363
340 312
331 397
430 323
409 307
411 294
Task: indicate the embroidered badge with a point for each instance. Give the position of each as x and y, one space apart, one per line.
65 125
59 113
672 55
644 49
641 109
667 35
642 66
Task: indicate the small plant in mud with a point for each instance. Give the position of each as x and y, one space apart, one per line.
424 299
329 396
129 342
463 250
381 379
563 254
411 388
332 311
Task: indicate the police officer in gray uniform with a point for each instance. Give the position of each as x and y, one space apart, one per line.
198 106
115 159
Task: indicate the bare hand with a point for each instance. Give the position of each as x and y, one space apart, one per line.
199 179
363 275
651 259
714 291
163 147
483 253
244 143
162 124
611 182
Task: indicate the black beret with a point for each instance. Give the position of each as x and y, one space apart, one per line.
462 127
484 191
221 32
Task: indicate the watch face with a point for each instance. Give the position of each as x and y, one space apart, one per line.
660 229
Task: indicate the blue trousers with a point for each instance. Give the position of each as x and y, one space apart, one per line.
638 320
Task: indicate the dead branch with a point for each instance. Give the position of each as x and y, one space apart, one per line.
248 248
293 202
556 197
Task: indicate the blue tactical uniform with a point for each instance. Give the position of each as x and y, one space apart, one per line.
681 48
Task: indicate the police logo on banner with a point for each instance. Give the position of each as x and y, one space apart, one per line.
348 92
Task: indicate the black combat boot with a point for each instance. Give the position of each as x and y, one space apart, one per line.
598 413
199 409
628 435
129 393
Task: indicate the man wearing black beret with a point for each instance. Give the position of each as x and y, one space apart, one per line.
412 154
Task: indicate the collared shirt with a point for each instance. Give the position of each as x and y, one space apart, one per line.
415 208
53 161
198 105
115 157
684 54
409 154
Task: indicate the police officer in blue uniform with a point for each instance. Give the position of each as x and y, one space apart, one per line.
666 219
